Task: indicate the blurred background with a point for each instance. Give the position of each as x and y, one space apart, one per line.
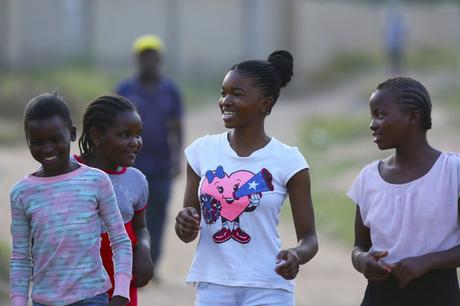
342 50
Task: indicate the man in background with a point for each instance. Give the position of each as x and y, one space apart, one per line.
159 103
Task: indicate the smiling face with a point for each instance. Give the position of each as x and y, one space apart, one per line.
49 143
241 103
389 125
120 143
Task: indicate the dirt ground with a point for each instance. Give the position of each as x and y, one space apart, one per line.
328 280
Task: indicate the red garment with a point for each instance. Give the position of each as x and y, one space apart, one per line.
106 255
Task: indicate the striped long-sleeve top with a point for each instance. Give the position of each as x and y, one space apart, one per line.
56 224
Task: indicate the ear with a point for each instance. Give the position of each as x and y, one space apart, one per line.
73 133
267 104
95 136
415 118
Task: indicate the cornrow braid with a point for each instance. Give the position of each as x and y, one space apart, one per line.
268 76
411 96
101 114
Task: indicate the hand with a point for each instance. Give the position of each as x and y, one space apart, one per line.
409 269
287 264
187 224
142 265
369 265
118 300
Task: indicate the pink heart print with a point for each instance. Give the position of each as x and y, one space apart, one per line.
222 189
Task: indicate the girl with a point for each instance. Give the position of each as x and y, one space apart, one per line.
110 141
242 178
56 213
407 230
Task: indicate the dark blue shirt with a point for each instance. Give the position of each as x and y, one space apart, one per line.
157 105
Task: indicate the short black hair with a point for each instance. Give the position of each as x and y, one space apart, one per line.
45 106
101 114
270 75
411 95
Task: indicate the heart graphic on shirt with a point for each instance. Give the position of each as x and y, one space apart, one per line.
233 191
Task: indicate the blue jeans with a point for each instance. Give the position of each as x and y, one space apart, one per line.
156 213
98 300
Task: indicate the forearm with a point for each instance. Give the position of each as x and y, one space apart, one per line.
306 248
143 238
444 259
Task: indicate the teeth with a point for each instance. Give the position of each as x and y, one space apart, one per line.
50 158
227 114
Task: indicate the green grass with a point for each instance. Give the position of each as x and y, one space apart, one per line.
321 133
79 84
341 67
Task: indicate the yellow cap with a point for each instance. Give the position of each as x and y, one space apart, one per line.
148 42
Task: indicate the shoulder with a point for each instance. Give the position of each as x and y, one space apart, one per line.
207 140
94 174
168 83
125 85
18 188
135 174
283 150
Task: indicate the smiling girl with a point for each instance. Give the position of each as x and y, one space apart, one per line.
56 218
236 185
407 225
110 141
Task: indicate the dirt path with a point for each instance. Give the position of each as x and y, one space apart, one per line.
328 280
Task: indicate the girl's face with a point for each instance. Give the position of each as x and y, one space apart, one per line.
49 143
120 143
389 124
241 103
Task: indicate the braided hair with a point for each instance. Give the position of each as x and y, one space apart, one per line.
101 114
45 106
411 96
268 76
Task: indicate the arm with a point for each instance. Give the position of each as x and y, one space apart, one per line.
364 261
298 189
20 263
120 243
188 219
411 268
142 262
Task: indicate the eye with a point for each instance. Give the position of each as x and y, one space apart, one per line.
222 94
220 189
235 187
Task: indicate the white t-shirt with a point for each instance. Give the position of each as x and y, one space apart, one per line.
226 185
413 218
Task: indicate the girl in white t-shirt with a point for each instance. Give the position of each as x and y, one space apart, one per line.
236 185
407 225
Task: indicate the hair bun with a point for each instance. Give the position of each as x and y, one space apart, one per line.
282 60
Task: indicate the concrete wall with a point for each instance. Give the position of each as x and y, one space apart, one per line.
204 37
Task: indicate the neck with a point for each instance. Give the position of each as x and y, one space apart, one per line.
148 79
96 160
247 140
414 152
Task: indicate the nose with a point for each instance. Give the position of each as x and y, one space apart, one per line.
226 100
373 125
47 148
135 141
